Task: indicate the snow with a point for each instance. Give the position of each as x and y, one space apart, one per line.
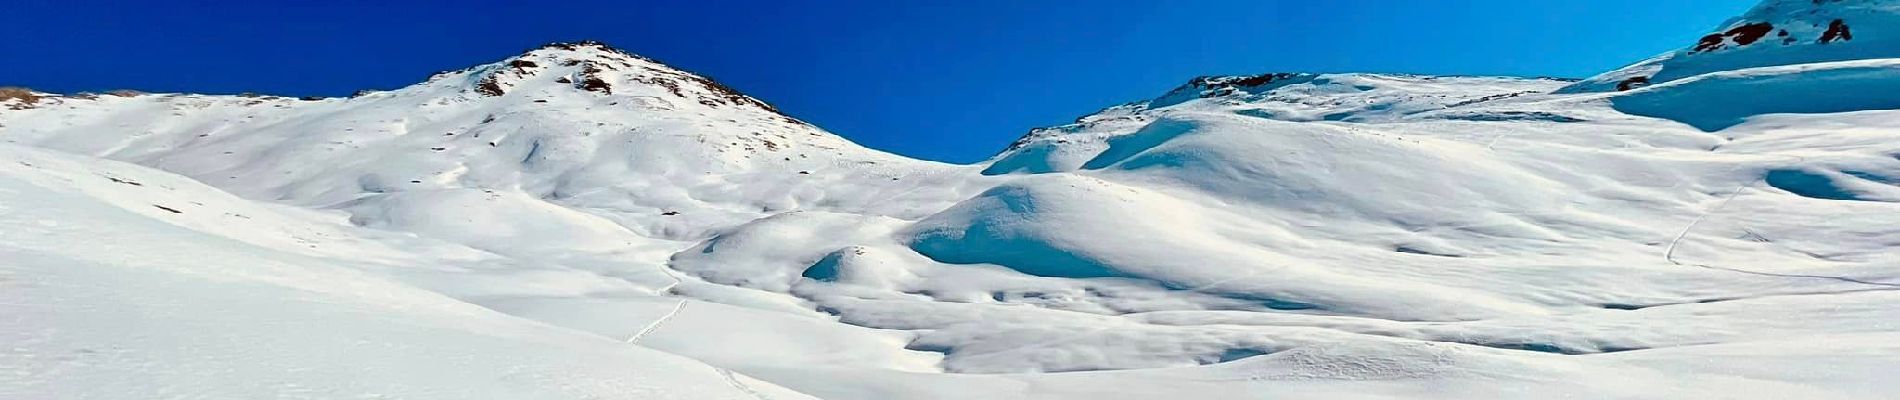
1720 100
1773 33
580 222
109 300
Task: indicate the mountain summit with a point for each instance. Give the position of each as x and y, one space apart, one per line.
560 121
600 68
1773 33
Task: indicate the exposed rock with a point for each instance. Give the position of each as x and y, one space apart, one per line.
1741 36
489 86
729 95
1632 83
1219 85
1836 30
591 81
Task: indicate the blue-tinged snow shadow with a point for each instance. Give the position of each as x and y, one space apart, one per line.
1718 101
1810 185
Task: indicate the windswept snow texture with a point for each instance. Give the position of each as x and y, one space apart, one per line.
580 222
124 282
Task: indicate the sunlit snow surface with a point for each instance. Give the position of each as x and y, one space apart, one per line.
515 231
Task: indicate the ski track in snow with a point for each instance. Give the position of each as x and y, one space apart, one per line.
733 381
725 375
657 322
1669 254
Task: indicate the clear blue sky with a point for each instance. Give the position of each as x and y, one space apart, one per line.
944 80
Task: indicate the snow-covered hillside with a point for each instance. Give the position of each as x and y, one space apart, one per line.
125 282
1773 33
578 221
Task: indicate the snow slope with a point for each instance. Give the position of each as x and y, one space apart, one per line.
124 282
1724 233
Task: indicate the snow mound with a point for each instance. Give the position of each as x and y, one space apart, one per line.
773 252
504 221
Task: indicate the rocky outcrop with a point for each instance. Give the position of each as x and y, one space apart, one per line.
1743 35
1211 86
1632 83
1837 31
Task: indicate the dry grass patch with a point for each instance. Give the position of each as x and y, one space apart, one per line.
25 96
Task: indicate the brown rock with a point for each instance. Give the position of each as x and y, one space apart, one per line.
1836 31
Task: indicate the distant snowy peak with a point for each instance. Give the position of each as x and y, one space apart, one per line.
553 122
1217 86
1296 97
1773 33
1359 97
600 69
1795 22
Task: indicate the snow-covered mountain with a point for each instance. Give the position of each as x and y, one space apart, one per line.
579 221
1773 33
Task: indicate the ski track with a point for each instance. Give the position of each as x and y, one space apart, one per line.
725 374
657 322
1669 254
733 381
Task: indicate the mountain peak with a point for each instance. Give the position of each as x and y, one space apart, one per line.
1295 97
575 45
595 68
1207 86
1773 33
527 121
584 51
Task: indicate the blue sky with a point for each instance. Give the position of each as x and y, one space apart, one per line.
943 80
